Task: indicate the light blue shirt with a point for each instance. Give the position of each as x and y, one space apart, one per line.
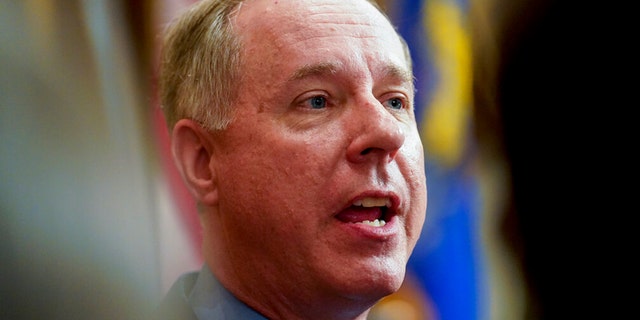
209 300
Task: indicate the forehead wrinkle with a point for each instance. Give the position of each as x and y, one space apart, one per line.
356 28
329 21
350 17
283 38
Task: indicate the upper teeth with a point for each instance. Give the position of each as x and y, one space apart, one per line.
373 202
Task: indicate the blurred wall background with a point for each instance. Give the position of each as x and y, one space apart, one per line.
78 171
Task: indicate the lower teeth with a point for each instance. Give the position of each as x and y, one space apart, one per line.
374 223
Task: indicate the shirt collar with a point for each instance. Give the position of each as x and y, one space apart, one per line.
210 300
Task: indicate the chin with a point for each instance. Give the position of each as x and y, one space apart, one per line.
377 284
388 283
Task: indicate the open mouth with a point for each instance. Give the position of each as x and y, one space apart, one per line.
372 211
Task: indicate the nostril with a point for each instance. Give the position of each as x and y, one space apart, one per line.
365 151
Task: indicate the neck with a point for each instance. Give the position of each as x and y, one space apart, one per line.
289 301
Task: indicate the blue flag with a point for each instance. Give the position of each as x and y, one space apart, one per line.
447 262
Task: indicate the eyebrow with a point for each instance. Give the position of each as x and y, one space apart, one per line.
393 71
319 69
328 68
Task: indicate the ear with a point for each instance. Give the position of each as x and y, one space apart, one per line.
192 150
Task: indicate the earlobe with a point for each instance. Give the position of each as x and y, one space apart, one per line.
192 152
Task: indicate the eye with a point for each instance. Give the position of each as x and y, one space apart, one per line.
317 102
395 103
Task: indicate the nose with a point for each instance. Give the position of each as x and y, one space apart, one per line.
378 135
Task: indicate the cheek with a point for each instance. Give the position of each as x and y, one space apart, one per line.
415 177
273 197
275 172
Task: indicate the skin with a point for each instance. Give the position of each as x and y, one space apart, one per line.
324 118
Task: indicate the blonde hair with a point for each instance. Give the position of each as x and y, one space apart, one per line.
200 64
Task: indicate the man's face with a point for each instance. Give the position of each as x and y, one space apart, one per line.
324 138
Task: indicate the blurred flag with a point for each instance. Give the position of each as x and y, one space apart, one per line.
447 262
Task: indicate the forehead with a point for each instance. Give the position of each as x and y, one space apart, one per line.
315 27
290 16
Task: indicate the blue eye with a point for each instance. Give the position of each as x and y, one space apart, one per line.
395 103
317 102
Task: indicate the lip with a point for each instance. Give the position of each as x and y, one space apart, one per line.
360 230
